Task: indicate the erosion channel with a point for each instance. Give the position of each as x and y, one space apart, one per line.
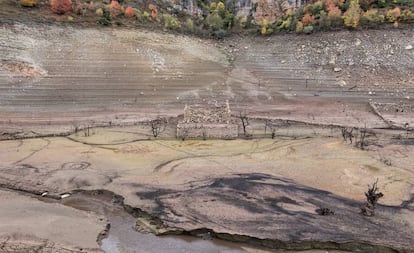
125 235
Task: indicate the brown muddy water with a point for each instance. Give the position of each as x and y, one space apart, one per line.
122 237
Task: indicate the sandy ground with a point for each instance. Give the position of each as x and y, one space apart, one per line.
27 224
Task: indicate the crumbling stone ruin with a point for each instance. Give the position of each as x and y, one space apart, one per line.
207 121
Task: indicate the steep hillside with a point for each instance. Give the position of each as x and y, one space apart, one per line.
67 76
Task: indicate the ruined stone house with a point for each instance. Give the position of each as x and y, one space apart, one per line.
207 121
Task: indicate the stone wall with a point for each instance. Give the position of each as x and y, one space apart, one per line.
393 107
207 131
216 114
207 121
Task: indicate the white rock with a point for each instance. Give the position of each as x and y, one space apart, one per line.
44 194
409 47
342 83
64 195
337 69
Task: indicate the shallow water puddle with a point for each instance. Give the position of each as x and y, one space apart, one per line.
123 238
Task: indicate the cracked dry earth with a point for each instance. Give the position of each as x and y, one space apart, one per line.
55 80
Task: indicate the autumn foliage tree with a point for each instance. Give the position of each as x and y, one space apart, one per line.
154 10
352 15
129 12
308 19
60 6
115 8
334 13
394 14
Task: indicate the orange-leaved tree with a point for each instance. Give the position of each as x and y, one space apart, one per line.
154 10
115 8
334 13
129 12
308 19
60 6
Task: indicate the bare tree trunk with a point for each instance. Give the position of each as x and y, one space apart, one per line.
245 122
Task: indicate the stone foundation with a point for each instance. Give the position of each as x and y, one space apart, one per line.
206 131
207 121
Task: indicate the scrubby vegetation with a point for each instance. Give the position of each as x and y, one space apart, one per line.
28 3
217 18
324 15
60 6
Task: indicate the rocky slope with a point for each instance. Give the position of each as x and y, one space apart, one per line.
56 79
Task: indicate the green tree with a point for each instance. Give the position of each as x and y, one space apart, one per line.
214 21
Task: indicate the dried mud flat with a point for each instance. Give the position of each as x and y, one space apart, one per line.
263 192
55 80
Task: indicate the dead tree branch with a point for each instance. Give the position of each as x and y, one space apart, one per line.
372 195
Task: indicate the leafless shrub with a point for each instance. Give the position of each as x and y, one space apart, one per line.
272 127
362 134
372 195
184 133
86 131
204 134
347 134
75 126
158 125
324 211
245 122
385 160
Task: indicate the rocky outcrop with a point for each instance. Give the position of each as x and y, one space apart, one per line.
279 213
